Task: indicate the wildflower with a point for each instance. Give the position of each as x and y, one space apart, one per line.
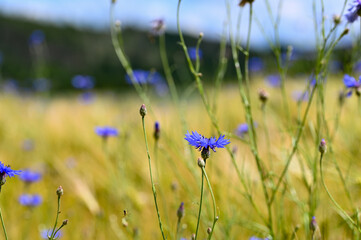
45 234
201 162
354 11
336 19
30 200
158 26
200 142
351 82
274 80
106 131
59 191
263 95
82 82
243 128
6 171
180 212
323 146
29 176
37 37
145 77
300 96
244 2
313 224
192 52
209 230
255 64
156 130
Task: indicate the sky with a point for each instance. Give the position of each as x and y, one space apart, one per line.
207 16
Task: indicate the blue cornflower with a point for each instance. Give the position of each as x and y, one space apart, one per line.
29 176
255 64
203 144
29 200
354 11
145 77
6 171
156 130
243 128
300 96
82 82
106 131
274 80
45 234
192 52
37 37
351 82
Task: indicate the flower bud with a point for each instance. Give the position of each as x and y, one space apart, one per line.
201 35
336 19
193 237
313 224
143 110
65 222
322 147
201 163
263 95
60 191
180 212
209 230
156 131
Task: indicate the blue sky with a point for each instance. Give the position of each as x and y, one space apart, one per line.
207 16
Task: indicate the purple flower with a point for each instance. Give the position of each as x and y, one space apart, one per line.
29 176
255 64
45 234
106 131
354 11
30 200
82 82
351 82
300 96
86 97
6 171
200 142
192 52
158 26
37 37
274 80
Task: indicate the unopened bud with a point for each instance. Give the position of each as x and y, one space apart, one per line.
180 212
322 147
263 95
156 131
345 32
201 35
117 23
124 222
65 222
313 224
209 230
193 237
143 110
336 19
60 191
201 163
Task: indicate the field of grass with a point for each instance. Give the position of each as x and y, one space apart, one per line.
101 178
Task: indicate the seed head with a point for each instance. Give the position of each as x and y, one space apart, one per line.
143 110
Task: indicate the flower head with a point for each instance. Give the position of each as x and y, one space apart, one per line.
192 51
158 26
6 171
243 128
45 234
274 80
255 64
144 77
244 2
106 131
37 37
82 82
200 142
354 11
29 176
30 200
351 82
156 130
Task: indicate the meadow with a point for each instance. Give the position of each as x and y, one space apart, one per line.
238 155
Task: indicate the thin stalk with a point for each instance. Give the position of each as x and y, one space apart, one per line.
178 226
56 219
3 225
200 206
151 179
333 200
215 217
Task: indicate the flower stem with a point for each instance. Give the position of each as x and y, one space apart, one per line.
333 200
53 232
215 218
200 206
151 179
3 225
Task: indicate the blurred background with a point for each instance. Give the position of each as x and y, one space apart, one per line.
44 44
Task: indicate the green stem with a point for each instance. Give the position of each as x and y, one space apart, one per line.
151 179
215 217
333 200
178 226
200 207
56 219
3 225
